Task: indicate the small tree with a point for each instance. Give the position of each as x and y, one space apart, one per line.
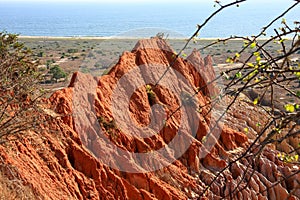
57 72
19 92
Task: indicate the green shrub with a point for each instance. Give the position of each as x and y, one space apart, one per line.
57 72
19 88
72 50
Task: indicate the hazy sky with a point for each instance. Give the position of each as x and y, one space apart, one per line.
146 1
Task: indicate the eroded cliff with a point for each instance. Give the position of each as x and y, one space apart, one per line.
94 147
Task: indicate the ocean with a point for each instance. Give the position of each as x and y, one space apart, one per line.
138 19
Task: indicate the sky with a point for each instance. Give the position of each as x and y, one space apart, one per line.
144 1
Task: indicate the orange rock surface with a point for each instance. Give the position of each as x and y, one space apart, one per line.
78 155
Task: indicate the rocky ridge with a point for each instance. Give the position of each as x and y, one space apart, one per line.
69 160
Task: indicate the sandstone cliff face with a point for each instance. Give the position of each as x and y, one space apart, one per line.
87 152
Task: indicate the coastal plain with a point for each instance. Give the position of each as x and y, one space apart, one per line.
96 54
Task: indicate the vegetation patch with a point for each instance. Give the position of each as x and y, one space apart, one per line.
151 95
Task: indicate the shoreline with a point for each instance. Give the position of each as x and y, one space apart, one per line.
24 37
98 37
101 38
63 37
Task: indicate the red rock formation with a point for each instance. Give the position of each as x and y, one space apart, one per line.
79 154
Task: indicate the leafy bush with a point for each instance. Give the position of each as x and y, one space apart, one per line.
19 93
72 50
57 72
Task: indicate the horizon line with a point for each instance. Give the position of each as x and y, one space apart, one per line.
125 37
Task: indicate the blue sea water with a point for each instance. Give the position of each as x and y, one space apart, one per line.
111 19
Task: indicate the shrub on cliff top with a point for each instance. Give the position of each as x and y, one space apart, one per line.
19 93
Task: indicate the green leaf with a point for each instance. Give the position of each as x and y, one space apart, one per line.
253 45
238 75
297 106
250 75
282 40
298 93
229 60
289 107
278 130
256 54
258 124
256 101
258 59
250 64
297 74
